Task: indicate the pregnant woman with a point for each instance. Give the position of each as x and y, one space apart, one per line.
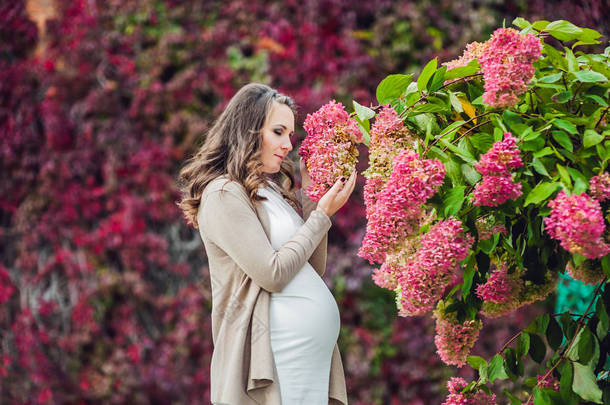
274 322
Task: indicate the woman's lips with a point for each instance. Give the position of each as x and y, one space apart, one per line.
281 158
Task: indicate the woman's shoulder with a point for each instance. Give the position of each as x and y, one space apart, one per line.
223 183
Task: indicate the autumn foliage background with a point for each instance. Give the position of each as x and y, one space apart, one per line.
104 291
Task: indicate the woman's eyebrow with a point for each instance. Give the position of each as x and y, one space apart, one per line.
283 126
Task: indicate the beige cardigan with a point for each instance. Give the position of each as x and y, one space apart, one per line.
244 269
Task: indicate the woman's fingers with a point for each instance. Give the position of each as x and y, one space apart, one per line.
349 186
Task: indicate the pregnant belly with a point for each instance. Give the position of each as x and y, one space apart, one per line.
304 316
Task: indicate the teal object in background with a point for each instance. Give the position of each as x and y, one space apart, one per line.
573 295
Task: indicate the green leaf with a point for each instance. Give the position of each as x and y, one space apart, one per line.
470 174
423 108
585 346
563 139
521 22
562 97
554 335
461 152
540 193
537 348
471 68
541 397
597 99
565 382
580 181
510 363
604 321
482 141
453 200
523 344
550 78
606 265
564 175
540 168
437 80
563 30
392 87
572 62
468 276
426 74
543 152
455 102
513 399
585 385
476 362
495 370
591 138
565 125
541 24
589 76
364 113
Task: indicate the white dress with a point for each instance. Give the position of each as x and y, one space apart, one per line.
304 318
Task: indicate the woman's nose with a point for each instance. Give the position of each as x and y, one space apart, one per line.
287 145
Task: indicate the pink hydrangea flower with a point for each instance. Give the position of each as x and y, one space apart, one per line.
432 267
528 293
454 339
548 382
495 190
577 222
599 187
500 287
501 158
497 185
473 51
388 137
487 227
507 65
399 203
455 397
329 149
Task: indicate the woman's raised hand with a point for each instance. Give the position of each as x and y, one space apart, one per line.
337 195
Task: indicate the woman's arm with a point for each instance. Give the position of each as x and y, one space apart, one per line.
230 222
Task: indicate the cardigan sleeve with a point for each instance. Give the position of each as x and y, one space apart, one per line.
229 221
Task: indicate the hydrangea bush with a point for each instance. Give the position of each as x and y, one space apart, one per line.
487 178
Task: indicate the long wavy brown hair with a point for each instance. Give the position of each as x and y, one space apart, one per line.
233 146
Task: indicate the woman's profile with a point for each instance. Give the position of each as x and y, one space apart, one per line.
275 324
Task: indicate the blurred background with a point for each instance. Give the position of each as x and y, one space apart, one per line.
104 290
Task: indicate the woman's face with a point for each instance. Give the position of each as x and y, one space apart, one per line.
276 133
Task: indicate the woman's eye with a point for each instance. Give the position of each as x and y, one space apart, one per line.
278 131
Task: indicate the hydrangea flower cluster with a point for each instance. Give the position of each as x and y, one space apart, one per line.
473 51
455 397
599 187
487 227
587 272
388 137
432 267
329 149
500 287
507 65
454 339
529 293
577 222
399 204
497 185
